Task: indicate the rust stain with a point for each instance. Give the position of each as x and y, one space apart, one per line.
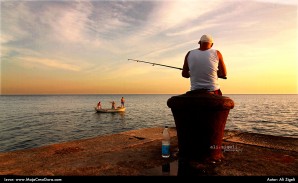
68 150
285 159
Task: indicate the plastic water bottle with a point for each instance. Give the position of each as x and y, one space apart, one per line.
165 148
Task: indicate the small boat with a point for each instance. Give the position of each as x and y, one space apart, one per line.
118 109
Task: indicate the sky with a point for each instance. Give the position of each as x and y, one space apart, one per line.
83 47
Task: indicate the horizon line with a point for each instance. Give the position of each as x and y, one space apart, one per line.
141 94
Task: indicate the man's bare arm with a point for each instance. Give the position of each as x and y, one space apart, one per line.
222 71
185 69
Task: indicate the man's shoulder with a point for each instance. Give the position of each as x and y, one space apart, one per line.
196 49
192 51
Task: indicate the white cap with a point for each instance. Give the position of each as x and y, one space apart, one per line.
206 38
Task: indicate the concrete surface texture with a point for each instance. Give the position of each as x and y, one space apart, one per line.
138 153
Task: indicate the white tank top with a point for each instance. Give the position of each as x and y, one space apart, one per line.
203 66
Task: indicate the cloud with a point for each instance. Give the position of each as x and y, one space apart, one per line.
99 36
70 23
5 38
14 25
192 29
29 61
284 2
167 15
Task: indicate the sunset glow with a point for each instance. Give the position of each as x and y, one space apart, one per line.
83 47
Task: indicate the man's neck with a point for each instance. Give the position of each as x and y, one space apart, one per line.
203 48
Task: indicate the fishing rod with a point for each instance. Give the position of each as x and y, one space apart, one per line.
153 64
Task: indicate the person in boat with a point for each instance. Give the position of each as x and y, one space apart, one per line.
122 102
113 105
204 66
99 105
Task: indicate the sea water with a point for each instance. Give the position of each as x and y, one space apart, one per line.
28 121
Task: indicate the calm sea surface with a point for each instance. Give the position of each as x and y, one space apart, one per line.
38 120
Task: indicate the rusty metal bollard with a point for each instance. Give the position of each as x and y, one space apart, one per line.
200 119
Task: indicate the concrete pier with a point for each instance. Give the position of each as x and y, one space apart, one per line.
200 119
138 153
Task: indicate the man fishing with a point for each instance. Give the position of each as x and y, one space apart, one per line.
204 66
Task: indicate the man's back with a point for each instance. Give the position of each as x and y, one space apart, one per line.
203 66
